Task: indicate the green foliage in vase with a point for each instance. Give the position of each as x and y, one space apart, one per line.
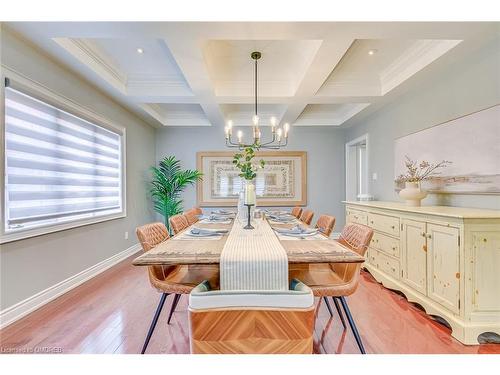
169 180
243 161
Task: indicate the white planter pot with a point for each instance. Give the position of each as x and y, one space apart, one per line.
412 194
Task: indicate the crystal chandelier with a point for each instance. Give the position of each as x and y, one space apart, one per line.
279 136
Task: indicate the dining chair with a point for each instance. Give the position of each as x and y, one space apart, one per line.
251 322
306 216
191 216
178 223
325 225
296 211
198 210
338 280
168 280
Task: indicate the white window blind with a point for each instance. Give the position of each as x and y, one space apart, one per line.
58 167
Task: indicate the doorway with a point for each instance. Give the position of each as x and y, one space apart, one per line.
356 169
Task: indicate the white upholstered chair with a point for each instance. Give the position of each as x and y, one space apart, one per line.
251 322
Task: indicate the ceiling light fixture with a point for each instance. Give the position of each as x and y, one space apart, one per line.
140 51
279 136
372 52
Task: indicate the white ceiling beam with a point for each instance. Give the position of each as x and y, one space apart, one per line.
189 57
326 59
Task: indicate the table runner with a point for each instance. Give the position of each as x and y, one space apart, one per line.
253 259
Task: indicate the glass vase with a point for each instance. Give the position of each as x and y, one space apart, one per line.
247 194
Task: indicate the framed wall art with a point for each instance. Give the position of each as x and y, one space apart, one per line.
471 143
282 181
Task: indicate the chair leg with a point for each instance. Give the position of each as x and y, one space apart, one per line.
174 305
341 316
155 320
328 306
352 324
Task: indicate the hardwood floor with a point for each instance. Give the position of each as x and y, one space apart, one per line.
112 312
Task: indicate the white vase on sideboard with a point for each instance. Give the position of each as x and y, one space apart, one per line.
413 194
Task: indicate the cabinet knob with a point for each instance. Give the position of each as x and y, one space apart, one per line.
428 236
422 234
393 227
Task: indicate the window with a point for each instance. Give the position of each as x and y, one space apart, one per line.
59 168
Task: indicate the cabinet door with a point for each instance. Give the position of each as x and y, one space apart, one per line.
443 266
486 266
414 255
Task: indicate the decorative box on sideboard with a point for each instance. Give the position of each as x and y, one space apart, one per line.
447 259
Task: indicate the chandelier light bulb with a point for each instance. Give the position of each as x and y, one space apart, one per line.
240 136
287 128
230 127
279 132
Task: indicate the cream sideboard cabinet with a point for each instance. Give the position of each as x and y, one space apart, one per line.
447 259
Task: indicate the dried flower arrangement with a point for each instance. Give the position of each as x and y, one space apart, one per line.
420 171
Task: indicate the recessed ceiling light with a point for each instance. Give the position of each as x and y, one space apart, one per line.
140 50
372 52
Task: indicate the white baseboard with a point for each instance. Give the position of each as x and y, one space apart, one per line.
30 304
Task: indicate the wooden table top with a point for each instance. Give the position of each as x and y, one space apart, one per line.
201 251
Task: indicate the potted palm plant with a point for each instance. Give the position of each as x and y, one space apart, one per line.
169 180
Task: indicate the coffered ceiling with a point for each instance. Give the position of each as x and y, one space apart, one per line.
201 74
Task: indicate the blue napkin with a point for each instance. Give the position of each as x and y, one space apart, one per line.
198 232
296 230
222 212
218 218
284 219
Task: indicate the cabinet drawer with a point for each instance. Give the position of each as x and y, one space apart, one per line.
355 216
385 263
372 256
388 245
384 223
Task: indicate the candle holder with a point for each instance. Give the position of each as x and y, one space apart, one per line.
248 226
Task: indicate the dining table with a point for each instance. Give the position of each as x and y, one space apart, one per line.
235 248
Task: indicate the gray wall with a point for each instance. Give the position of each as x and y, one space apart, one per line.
32 265
449 91
325 160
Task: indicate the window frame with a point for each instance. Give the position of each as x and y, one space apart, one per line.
43 93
